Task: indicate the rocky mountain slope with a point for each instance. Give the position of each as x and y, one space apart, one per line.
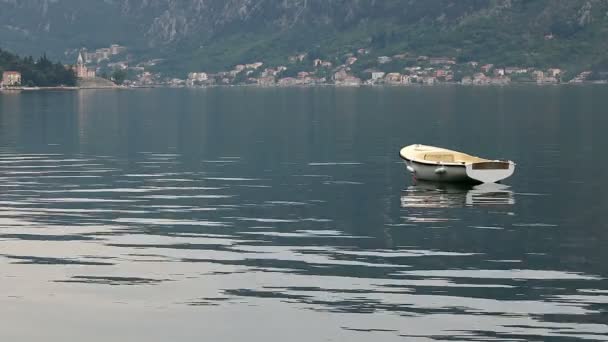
211 34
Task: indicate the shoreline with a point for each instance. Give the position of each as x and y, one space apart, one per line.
60 88
438 85
330 85
161 86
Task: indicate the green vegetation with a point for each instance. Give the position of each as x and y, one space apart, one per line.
41 72
569 34
533 33
119 76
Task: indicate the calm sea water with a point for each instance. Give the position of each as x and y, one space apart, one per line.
286 215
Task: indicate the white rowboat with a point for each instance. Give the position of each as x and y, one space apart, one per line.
439 164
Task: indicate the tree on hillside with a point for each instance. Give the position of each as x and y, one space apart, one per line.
42 72
119 76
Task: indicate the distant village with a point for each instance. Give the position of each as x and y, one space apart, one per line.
86 69
303 70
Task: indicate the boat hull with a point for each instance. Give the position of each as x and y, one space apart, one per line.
429 172
457 173
437 164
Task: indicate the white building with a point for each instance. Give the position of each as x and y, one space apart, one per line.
377 75
384 59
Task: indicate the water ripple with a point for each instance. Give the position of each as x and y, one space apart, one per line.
190 236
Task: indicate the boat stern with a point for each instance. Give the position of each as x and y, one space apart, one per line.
490 171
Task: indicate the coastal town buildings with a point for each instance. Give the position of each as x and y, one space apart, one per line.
550 80
350 81
266 81
425 71
582 77
362 66
353 69
146 79
303 74
102 54
429 80
11 79
499 72
549 77
340 75
480 78
118 65
384 59
466 80
393 78
377 75
176 82
442 61
515 70
441 73
297 58
288 82
539 76
554 72
254 66
116 49
81 70
487 67
196 78
317 63
343 78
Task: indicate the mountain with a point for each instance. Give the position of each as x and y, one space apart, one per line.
215 34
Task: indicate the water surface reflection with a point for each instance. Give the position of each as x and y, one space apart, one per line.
447 195
306 227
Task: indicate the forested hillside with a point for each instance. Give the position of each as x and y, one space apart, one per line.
41 72
215 34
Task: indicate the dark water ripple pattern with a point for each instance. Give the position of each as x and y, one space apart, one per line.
159 226
306 249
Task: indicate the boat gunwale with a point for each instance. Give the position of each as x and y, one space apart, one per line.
433 162
462 164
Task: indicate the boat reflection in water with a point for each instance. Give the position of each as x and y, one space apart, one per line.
424 194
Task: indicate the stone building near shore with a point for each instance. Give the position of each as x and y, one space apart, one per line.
81 69
11 79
